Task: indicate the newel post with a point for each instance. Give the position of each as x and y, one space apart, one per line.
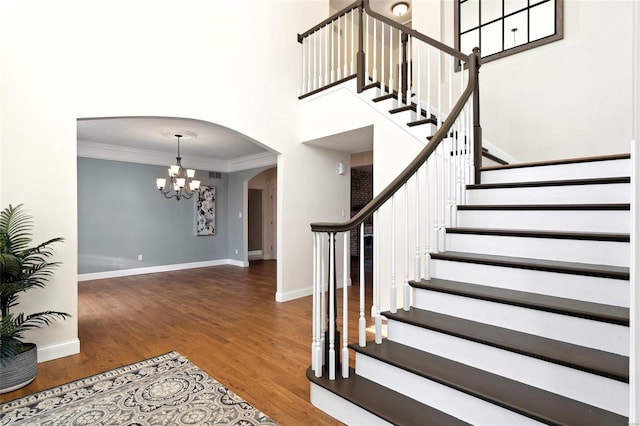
360 56
477 129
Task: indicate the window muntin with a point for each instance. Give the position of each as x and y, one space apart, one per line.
504 27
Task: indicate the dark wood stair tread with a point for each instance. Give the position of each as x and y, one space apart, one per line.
524 399
402 108
594 311
430 120
384 97
574 207
559 235
602 271
594 361
385 403
559 162
547 183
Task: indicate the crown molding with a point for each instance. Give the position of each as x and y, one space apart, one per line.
252 162
101 151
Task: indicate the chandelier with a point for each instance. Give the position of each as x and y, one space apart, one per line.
181 184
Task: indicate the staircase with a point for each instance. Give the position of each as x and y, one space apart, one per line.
525 319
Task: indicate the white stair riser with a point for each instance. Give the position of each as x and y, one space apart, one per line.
547 220
573 194
586 170
581 251
342 409
591 289
579 331
579 385
441 397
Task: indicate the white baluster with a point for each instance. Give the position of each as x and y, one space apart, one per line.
332 312
339 45
443 203
326 54
367 75
436 201
405 286
416 271
450 83
400 64
375 51
427 269
315 49
382 63
353 50
391 66
362 322
319 353
438 86
346 60
333 60
314 315
324 265
428 81
376 281
409 68
393 302
320 68
418 84
304 67
345 307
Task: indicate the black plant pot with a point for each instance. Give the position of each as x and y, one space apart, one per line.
19 371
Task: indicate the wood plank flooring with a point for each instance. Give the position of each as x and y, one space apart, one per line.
224 319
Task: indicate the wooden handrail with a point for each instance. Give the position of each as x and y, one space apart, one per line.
474 63
413 33
329 20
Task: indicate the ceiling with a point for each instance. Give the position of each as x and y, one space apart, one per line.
151 140
382 7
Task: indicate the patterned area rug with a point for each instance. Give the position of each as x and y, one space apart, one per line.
166 390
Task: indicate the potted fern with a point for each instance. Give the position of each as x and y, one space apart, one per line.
21 268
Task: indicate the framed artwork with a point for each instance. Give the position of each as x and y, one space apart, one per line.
206 211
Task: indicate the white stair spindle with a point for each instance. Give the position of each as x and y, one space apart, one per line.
345 307
376 280
321 82
353 50
362 322
391 66
450 83
393 302
315 62
333 60
314 315
346 59
427 269
443 201
382 63
409 67
439 88
400 63
323 302
304 66
418 85
428 81
375 56
332 312
436 201
405 285
416 269
339 57
327 29
366 68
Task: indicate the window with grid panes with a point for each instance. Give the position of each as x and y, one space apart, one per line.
504 27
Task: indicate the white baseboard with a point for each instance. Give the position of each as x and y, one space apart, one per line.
58 350
160 268
303 292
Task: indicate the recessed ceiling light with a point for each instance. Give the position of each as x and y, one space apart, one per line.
400 9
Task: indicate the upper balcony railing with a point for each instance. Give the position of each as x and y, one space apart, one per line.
439 85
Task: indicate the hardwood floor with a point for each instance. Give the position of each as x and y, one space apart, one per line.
224 319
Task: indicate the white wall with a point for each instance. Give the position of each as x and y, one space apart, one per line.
338 110
232 63
565 99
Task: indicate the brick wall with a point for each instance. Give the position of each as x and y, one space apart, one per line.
361 194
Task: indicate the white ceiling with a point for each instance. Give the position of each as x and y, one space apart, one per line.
382 7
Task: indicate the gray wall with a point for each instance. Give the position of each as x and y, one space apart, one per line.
121 214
